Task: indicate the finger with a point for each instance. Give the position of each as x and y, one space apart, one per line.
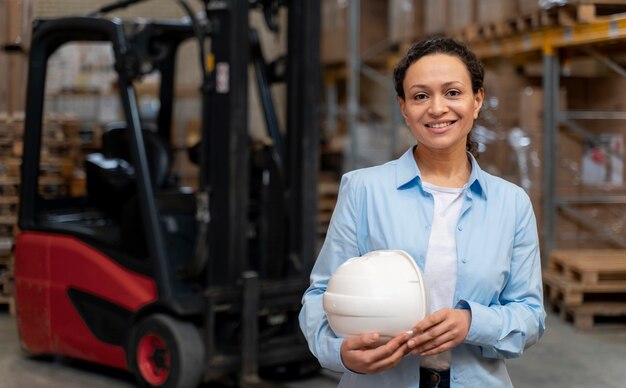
391 360
439 349
431 320
433 337
433 343
442 334
400 339
423 338
387 350
363 341
388 355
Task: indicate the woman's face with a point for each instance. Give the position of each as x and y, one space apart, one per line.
439 106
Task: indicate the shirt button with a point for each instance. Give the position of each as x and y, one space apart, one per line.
459 227
455 378
463 261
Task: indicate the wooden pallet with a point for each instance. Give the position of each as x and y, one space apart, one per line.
8 219
6 243
582 285
591 315
568 292
534 20
9 200
586 11
590 266
9 301
7 281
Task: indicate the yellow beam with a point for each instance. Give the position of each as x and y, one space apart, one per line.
548 39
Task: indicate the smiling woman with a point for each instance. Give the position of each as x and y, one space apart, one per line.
472 235
440 106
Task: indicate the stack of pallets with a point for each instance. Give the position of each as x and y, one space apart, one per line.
7 288
587 286
10 149
60 157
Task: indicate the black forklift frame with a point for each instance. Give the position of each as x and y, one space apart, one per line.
229 283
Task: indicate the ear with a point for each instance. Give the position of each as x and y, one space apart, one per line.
478 102
402 105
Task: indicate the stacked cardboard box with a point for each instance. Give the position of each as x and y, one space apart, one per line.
600 167
374 28
405 20
493 11
527 7
15 17
435 16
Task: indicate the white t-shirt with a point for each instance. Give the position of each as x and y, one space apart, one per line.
441 258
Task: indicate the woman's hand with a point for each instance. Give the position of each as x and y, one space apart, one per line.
440 331
364 354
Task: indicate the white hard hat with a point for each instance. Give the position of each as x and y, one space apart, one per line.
380 292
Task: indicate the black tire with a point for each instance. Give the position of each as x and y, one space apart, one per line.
165 352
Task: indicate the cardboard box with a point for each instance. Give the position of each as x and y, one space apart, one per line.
531 105
461 14
499 115
435 16
15 24
374 28
18 69
19 16
405 20
4 85
3 21
12 82
527 7
492 11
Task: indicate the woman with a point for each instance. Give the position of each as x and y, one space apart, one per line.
473 235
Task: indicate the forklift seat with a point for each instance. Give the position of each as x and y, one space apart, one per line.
112 185
116 145
111 177
177 209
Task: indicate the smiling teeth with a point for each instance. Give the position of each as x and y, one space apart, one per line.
440 125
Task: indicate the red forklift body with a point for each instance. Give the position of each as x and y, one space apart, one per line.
48 321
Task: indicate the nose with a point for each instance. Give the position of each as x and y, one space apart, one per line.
438 106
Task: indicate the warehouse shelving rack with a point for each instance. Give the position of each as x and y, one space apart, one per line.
550 43
367 64
546 40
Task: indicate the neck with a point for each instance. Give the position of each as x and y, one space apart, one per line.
445 169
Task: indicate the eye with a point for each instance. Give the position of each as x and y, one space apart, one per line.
420 96
454 93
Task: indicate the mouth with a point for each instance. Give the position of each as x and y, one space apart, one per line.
440 126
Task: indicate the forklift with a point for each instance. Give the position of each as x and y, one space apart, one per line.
177 286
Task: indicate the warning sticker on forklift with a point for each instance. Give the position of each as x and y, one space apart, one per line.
222 77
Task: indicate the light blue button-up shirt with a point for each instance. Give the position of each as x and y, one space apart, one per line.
499 268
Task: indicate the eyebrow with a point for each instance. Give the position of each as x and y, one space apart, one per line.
445 85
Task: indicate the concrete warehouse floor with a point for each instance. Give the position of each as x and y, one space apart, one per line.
565 357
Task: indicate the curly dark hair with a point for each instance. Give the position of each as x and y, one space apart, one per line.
442 45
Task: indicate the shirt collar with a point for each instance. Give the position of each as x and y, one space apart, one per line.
408 173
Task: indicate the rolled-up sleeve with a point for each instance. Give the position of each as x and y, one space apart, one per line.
517 321
340 244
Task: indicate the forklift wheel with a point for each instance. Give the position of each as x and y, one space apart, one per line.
166 352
